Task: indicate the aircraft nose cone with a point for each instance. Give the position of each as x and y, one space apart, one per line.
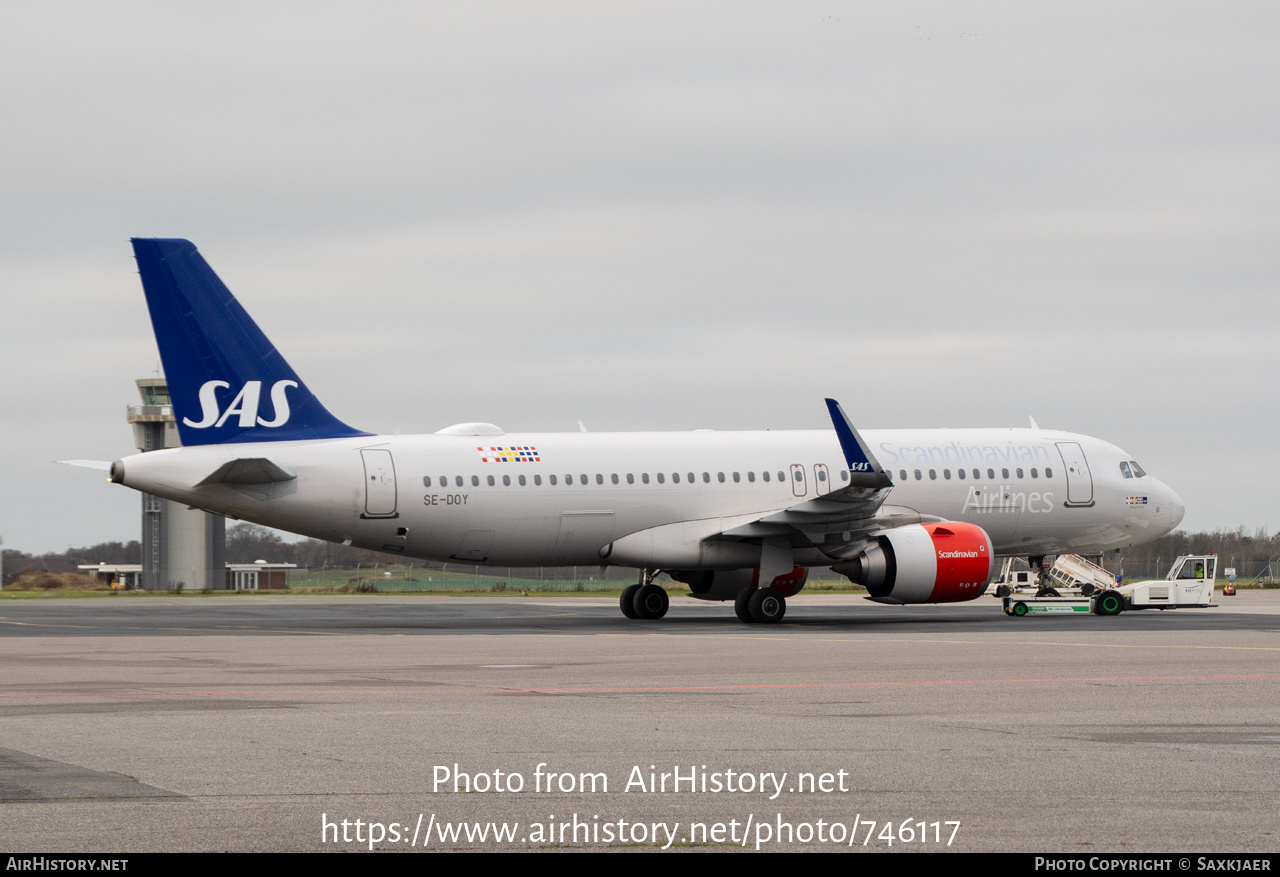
1175 508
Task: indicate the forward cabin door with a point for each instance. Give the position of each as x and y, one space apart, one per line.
1079 479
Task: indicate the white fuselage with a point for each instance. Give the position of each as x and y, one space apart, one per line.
562 498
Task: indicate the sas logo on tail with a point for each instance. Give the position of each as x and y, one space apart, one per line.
244 404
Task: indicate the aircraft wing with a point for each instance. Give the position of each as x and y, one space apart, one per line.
840 522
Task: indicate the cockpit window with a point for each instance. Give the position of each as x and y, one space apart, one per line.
1137 470
1124 470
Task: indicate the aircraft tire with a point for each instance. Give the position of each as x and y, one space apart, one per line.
1003 590
627 602
651 602
742 606
1110 603
1019 609
767 606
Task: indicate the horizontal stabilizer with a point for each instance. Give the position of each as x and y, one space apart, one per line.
248 470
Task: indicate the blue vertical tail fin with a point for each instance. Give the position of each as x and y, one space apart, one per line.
228 383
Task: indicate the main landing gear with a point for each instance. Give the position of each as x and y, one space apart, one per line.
644 600
648 602
759 606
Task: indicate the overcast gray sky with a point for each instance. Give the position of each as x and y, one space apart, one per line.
656 216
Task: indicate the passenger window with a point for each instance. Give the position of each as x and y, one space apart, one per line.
1035 474
933 474
675 477
600 478
822 474
537 480
1019 473
706 478
522 481
737 477
631 479
475 480
490 481
457 479
1004 473
691 478
585 479
553 481
426 480
1048 473
661 478
506 480
720 477
645 477
919 476
946 473
960 472
614 477
991 474
782 477
844 474
764 475
751 476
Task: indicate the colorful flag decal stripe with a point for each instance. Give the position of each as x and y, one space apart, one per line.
513 454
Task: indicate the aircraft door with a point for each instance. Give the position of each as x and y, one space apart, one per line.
582 535
1079 479
821 479
475 546
798 485
379 483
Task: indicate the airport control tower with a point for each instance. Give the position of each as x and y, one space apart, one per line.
181 547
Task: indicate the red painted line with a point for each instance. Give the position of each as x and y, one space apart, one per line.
637 690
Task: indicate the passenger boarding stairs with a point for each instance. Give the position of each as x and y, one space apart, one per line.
1073 571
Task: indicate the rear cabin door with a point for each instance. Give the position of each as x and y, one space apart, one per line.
379 483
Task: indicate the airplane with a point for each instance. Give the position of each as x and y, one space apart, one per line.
914 516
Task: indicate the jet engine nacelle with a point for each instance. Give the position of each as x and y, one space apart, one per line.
925 563
726 584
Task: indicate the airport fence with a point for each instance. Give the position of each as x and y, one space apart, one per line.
461 577
1246 571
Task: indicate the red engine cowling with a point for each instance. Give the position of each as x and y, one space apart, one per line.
724 584
925 563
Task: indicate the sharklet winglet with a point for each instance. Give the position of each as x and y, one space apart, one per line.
864 469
